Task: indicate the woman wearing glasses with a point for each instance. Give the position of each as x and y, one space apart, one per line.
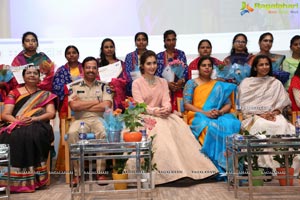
237 63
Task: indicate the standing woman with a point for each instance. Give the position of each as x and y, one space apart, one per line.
294 90
265 44
29 55
7 82
27 111
290 64
238 61
163 60
67 73
132 60
117 85
204 49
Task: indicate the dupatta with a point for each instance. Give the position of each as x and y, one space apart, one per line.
28 106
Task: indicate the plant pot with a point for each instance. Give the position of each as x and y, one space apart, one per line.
113 136
282 172
132 136
120 186
257 182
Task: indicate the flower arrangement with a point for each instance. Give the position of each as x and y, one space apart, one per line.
132 118
178 67
112 120
177 62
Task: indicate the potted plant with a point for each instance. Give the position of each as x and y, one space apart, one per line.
256 170
133 119
281 171
118 169
145 166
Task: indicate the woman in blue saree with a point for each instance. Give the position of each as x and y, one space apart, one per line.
209 105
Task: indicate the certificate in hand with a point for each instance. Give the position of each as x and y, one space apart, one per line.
168 74
108 72
17 72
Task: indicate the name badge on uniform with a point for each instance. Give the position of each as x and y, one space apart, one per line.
70 91
108 90
80 91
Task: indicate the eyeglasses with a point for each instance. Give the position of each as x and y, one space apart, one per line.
240 42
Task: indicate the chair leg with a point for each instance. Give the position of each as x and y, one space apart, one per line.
67 163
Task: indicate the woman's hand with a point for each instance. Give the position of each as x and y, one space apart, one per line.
25 120
213 113
162 112
268 116
173 86
180 83
112 87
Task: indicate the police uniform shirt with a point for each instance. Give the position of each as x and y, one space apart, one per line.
98 91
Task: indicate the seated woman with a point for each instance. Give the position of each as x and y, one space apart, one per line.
294 90
262 99
27 111
209 104
177 153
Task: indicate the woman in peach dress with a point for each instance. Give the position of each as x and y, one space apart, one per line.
177 153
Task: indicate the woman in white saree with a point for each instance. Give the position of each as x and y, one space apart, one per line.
262 99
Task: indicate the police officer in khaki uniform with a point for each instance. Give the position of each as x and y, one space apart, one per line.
88 99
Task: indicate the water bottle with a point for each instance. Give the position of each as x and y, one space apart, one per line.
144 135
82 133
297 126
